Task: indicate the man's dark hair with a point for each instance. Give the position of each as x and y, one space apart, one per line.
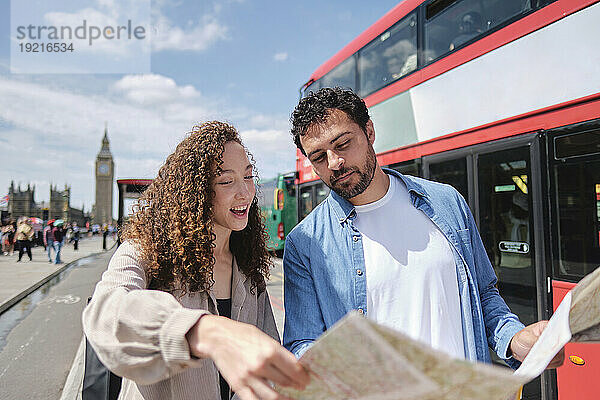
314 109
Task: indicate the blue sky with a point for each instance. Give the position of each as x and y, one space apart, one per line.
236 60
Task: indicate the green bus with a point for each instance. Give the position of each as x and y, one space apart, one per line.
278 205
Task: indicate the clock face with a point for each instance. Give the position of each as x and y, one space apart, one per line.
103 168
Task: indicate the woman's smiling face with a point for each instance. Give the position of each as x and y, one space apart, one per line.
234 189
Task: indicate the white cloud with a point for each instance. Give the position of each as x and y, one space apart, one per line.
204 33
110 4
153 89
54 134
262 121
282 56
4 64
273 150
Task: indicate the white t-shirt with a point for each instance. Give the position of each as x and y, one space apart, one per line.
411 277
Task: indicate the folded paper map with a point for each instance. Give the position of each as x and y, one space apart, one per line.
577 319
359 359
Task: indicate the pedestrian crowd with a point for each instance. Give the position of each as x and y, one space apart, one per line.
24 233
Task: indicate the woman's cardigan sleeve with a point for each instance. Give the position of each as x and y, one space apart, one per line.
138 334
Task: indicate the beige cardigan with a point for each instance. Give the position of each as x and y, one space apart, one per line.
140 334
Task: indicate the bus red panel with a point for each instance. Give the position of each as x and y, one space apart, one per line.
577 382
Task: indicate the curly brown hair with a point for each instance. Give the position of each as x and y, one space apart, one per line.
315 109
172 222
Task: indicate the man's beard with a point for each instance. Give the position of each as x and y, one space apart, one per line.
365 176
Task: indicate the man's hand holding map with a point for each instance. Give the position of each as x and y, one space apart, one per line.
359 359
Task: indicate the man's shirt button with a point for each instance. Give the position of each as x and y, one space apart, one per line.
355 238
360 311
359 272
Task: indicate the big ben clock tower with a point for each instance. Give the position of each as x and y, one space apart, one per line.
104 183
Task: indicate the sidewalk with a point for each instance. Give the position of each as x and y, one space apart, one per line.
18 279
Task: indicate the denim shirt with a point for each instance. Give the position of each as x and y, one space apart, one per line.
325 274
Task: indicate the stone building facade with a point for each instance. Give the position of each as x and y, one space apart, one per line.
22 203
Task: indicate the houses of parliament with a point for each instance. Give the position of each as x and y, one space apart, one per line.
21 201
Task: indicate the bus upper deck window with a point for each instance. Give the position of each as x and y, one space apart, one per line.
313 87
452 24
344 75
390 56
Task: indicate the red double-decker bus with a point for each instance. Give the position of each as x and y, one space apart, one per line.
129 192
501 99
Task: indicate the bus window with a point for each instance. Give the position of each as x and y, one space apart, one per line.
322 193
507 232
130 191
313 87
306 201
576 197
129 207
541 3
450 24
506 227
497 12
311 195
266 198
452 172
344 75
290 186
577 145
389 57
408 168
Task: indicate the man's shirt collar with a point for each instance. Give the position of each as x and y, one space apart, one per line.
343 209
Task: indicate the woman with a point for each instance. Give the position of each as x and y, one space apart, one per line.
8 235
193 251
23 237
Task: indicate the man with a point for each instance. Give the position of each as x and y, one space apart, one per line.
104 235
58 235
402 250
49 239
75 236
